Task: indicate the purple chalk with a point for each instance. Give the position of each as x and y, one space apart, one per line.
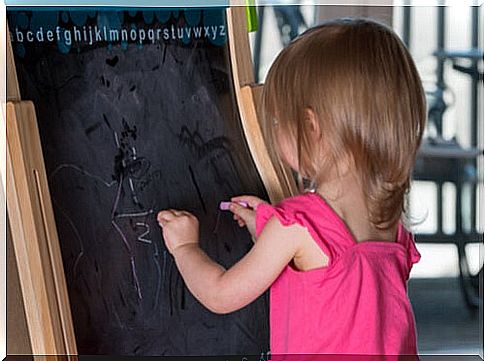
224 206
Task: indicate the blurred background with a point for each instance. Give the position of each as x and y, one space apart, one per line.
447 192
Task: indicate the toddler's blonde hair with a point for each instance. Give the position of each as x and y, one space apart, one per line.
362 84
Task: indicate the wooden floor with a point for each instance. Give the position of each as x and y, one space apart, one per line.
444 324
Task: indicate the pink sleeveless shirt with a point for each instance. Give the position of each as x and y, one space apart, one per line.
358 304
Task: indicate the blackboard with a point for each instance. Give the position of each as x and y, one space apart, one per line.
130 124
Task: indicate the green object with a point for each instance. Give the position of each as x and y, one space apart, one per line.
251 15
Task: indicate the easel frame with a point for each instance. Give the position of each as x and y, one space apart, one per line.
31 218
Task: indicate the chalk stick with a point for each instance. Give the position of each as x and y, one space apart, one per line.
224 206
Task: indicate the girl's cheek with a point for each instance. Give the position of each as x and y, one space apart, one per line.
291 161
288 155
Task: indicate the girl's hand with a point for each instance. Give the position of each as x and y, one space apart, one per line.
246 216
180 228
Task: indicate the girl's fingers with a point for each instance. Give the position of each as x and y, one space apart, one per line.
235 209
167 215
252 201
238 219
240 211
185 213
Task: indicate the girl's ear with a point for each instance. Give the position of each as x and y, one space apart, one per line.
313 123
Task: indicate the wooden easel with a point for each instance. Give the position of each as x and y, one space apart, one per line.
33 230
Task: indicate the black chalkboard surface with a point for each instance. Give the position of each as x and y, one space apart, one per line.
137 113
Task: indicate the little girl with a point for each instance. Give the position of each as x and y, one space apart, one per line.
344 107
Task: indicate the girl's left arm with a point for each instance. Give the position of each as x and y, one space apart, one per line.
220 290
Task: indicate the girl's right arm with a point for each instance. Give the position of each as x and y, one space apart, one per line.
221 290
